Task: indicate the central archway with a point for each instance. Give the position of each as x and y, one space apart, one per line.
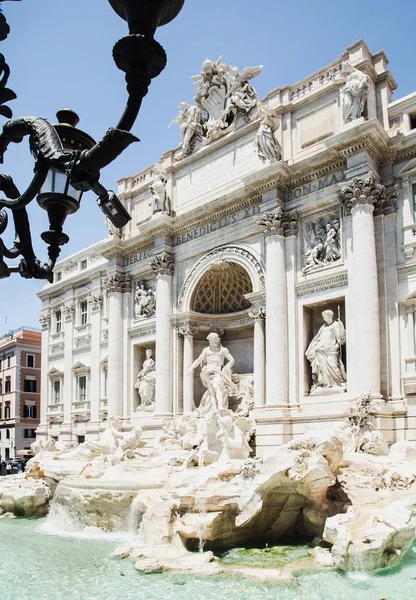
221 290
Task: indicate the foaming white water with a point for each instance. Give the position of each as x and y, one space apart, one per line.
359 576
63 523
134 518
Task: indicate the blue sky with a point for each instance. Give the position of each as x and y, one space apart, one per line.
59 52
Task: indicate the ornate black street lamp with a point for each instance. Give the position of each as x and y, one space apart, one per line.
67 160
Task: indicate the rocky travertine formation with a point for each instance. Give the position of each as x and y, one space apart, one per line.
24 496
198 488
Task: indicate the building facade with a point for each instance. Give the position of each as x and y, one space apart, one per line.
20 379
270 213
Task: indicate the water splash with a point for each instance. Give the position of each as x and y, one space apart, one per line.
200 505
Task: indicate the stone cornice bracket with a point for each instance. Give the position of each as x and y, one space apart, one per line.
363 190
279 223
258 313
118 282
163 264
387 202
96 302
45 320
185 331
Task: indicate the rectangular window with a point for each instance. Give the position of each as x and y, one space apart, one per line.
29 385
29 411
7 411
412 121
1 363
8 386
82 388
56 391
58 321
59 276
1 386
83 265
83 312
30 360
30 433
8 361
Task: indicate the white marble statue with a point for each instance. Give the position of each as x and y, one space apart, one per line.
146 382
160 200
144 301
266 144
215 376
222 95
328 372
354 92
189 119
43 445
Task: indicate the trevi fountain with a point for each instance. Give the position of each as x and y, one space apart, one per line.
228 383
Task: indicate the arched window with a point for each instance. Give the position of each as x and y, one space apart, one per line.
8 386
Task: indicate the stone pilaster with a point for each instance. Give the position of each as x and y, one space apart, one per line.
95 302
115 285
258 315
363 369
163 266
45 322
274 227
188 358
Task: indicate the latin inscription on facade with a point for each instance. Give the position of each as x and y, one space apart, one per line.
136 258
217 225
316 186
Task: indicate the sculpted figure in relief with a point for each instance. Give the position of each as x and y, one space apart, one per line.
323 243
146 382
266 144
160 200
215 376
328 371
144 301
354 92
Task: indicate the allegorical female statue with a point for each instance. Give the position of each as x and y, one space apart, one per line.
146 382
328 371
215 376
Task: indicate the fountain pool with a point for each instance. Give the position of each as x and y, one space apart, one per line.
43 566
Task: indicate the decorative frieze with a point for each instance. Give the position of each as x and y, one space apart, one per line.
279 223
117 283
363 190
163 264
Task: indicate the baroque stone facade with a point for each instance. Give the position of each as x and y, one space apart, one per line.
286 225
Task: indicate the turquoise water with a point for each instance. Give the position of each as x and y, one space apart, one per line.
36 566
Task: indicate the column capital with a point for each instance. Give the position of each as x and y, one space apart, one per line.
187 331
386 204
45 319
279 223
69 311
117 282
258 313
96 302
163 264
360 191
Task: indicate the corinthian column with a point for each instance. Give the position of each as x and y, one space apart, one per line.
258 315
162 265
363 369
45 322
274 226
188 358
115 286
